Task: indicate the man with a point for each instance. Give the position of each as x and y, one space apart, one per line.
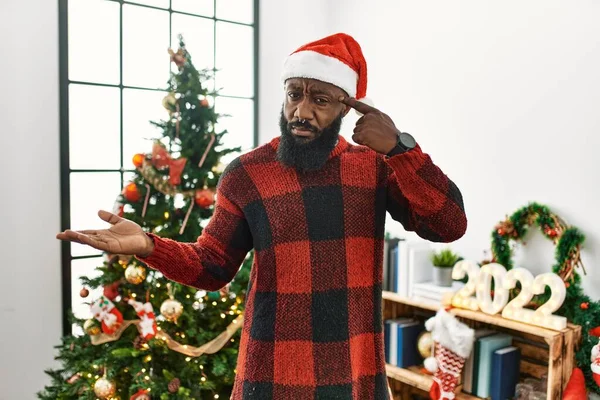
313 208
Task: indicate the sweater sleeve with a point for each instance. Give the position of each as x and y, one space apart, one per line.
214 259
423 199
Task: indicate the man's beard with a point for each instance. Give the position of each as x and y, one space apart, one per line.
307 154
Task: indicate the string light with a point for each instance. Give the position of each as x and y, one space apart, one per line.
188 296
133 295
214 303
166 215
224 299
188 359
158 284
222 315
203 379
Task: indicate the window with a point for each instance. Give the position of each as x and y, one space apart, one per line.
114 72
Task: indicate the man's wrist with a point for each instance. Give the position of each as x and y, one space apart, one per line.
396 150
149 247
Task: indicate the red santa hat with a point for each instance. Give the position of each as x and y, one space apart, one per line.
335 59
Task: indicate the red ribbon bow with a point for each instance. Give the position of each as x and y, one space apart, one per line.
161 159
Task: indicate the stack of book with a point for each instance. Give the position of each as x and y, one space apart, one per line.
400 335
406 263
492 370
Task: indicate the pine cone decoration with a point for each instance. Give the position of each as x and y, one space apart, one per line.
174 385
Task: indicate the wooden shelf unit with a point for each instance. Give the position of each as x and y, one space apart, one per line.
543 351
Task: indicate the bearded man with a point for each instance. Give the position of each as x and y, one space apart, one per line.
313 208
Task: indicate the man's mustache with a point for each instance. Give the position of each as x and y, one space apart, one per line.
302 125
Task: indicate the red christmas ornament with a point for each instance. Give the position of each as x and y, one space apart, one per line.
131 193
551 232
575 389
205 198
111 291
585 306
84 292
501 232
204 102
595 332
141 394
138 160
567 284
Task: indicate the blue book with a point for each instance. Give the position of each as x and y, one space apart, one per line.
390 332
487 346
408 354
506 364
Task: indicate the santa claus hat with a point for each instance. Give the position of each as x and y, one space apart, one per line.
335 59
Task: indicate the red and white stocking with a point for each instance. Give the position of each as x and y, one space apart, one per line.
147 325
596 363
453 344
446 377
105 311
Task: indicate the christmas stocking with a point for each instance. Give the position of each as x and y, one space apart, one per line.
453 344
105 311
147 325
596 363
575 389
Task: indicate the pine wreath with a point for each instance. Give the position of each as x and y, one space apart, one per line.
577 308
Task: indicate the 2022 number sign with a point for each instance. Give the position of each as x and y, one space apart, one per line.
480 283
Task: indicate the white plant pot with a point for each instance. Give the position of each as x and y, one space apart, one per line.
442 276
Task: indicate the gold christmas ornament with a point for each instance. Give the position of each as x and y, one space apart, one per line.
425 344
171 309
135 274
104 388
91 327
169 102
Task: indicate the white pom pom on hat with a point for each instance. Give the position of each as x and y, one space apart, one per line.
335 59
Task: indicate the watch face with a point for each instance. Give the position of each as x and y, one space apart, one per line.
407 140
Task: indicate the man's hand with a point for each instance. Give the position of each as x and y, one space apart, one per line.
374 129
123 237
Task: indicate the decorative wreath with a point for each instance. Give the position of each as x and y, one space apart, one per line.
568 240
578 308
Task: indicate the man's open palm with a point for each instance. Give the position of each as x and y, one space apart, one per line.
123 237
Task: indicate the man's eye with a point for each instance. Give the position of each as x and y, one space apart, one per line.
293 95
321 100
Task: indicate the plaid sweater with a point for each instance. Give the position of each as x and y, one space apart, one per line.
313 324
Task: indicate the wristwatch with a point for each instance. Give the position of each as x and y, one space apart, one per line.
405 143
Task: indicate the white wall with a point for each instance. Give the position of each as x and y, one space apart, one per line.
284 26
503 95
30 302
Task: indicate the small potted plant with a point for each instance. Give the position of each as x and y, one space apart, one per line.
443 261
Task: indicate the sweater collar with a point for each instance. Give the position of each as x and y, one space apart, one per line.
339 148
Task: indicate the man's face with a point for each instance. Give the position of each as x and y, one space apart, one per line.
310 123
310 106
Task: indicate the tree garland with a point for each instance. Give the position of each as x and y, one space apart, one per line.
577 308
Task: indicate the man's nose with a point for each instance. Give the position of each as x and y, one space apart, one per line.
304 110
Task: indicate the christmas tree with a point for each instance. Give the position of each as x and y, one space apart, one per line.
150 338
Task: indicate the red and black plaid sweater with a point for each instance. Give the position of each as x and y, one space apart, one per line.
313 324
